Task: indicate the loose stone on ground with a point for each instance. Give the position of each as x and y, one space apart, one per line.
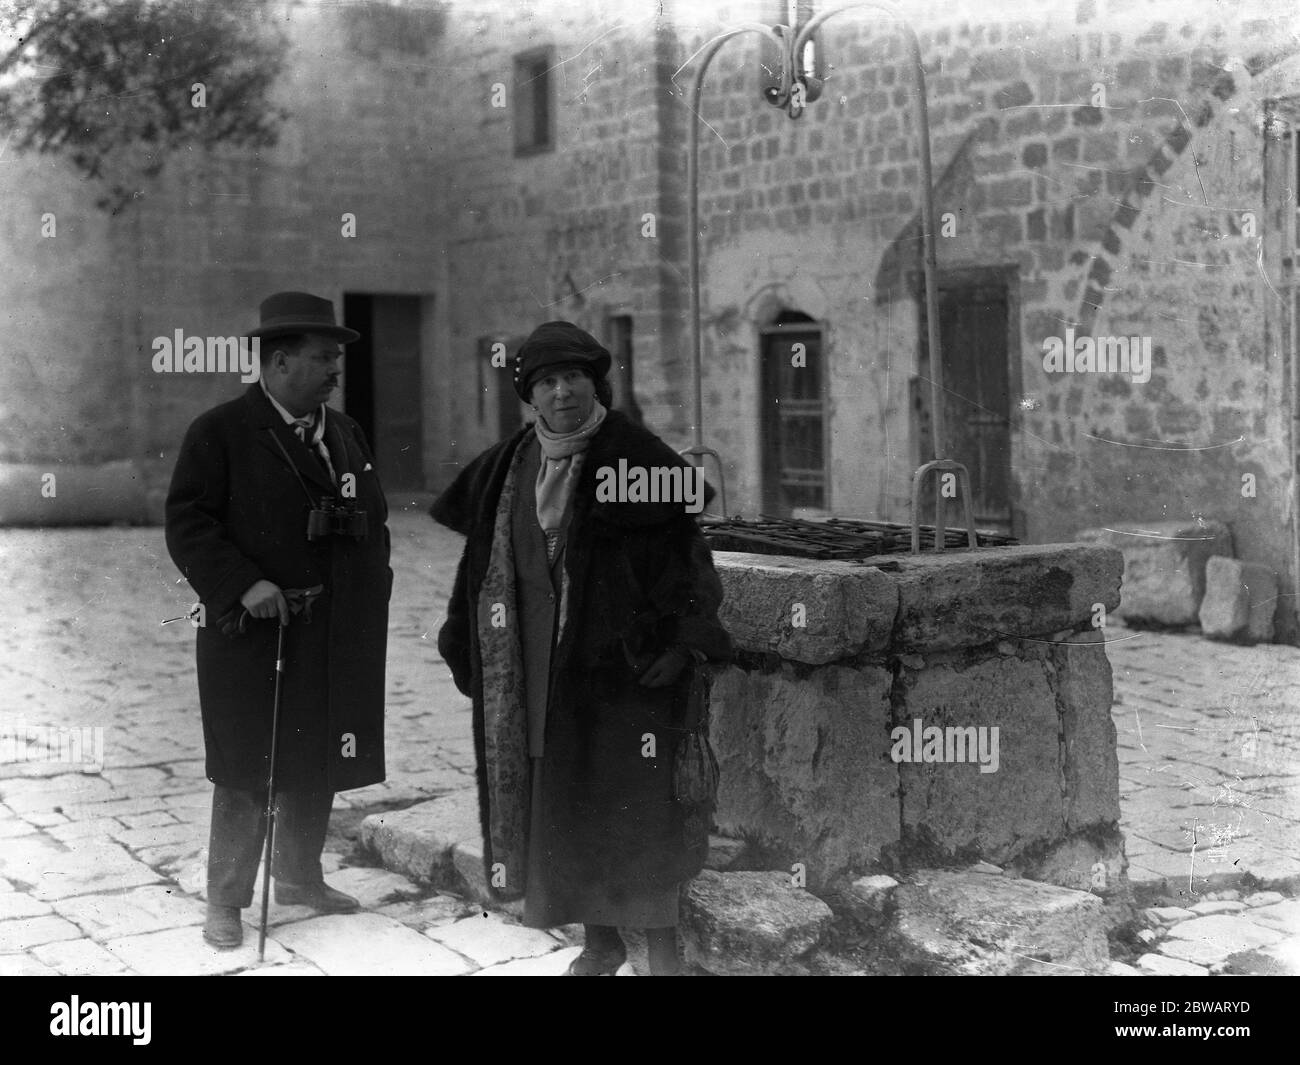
749 923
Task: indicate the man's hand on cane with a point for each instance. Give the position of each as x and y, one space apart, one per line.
265 600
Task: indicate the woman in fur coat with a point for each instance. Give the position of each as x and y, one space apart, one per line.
578 623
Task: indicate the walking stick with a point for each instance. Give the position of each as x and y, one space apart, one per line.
270 792
298 599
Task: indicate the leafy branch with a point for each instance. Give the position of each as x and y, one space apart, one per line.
118 86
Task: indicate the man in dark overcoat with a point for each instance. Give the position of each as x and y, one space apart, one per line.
249 475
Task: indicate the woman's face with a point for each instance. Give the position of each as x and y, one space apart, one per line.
563 398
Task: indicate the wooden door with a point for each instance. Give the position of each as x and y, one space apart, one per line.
977 399
793 418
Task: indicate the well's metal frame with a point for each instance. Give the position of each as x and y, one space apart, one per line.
792 95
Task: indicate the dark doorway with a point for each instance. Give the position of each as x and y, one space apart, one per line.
793 419
621 381
974 327
382 383
499 406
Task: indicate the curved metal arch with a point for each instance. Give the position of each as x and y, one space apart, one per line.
693 197
791 46
921 112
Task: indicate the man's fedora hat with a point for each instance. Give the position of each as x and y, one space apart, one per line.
300 312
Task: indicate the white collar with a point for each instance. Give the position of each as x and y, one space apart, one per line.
289 419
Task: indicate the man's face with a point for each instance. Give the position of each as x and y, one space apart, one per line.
302 380
563 397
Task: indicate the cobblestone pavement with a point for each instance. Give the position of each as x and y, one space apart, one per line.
1209 762
101 866
1209 753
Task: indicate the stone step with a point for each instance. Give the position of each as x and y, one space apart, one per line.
970 923
751 923
431 842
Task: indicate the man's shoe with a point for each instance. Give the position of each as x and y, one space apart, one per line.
320 897
223 929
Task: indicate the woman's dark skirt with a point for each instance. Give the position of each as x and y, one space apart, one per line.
550 901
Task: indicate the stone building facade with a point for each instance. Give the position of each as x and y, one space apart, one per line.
1104 169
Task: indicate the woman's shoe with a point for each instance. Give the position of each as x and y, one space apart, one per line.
603 952
596 962
661 944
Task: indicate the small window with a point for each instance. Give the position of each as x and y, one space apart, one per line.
534 104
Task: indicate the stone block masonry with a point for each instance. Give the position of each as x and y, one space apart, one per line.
1148 213
997 644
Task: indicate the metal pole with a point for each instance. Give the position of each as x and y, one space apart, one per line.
921 112
1291 323
792 48
693 196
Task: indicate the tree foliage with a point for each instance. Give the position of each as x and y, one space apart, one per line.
112 85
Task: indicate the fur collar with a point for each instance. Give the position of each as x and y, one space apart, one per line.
469 504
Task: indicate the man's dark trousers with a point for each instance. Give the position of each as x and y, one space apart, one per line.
238 838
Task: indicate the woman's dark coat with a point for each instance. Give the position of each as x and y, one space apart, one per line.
640 579
237 514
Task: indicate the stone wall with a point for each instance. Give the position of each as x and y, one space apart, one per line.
1133 218
1125 214
835 656
588 230
209 239
1143 211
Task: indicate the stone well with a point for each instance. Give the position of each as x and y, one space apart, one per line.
833 656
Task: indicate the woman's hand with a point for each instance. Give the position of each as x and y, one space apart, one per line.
666 668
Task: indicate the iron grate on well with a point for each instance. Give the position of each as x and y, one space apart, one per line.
834 538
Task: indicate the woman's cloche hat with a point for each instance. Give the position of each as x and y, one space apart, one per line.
558 344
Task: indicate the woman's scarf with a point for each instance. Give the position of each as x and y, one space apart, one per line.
561 464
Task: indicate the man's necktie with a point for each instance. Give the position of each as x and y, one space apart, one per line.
316 444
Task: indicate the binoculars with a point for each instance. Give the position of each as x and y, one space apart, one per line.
334 517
